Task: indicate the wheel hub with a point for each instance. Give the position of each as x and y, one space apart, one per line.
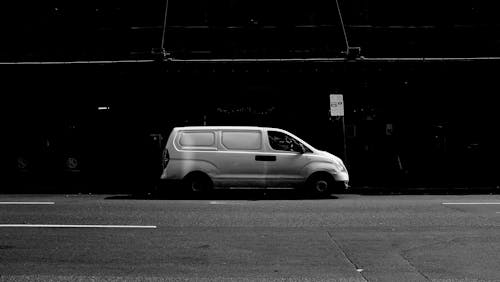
321 186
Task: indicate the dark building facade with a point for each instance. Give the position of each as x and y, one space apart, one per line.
89 97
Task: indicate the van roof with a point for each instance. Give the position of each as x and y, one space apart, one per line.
176 129
224 127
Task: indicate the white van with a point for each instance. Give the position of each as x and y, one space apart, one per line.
209 157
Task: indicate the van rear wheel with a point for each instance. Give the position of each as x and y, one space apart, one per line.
197 183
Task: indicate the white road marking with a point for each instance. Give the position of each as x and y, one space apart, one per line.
27 203
224 203
76 226
478 203
219 203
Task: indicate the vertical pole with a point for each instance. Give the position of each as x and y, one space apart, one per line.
344 137
337 116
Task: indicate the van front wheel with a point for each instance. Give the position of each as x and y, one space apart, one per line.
197 183
320 185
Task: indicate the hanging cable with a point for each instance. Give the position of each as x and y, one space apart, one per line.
343 27
162 48
350 52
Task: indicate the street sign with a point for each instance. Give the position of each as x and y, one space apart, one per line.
336 105
389 129
72 164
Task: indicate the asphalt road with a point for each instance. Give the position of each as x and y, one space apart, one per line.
250 236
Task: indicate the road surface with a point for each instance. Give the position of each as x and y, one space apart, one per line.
250 237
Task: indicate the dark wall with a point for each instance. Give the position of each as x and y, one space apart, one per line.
443 118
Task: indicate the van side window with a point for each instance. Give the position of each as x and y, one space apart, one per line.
242 140
281 142
197 139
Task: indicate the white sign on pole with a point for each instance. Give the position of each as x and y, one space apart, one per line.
336 105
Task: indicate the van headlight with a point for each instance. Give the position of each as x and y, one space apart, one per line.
339 166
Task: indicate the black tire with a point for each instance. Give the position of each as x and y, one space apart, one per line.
197 183
320 185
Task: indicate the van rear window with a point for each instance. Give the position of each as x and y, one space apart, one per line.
197 139
235 140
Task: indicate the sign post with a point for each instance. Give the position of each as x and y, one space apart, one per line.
337 110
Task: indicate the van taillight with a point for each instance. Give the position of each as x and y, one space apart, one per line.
166 158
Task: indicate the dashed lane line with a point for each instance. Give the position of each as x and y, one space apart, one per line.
27 203
477 203
77 226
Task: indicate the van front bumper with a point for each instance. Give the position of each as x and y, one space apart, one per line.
341 177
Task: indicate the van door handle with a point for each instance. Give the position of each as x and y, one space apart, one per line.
265 158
